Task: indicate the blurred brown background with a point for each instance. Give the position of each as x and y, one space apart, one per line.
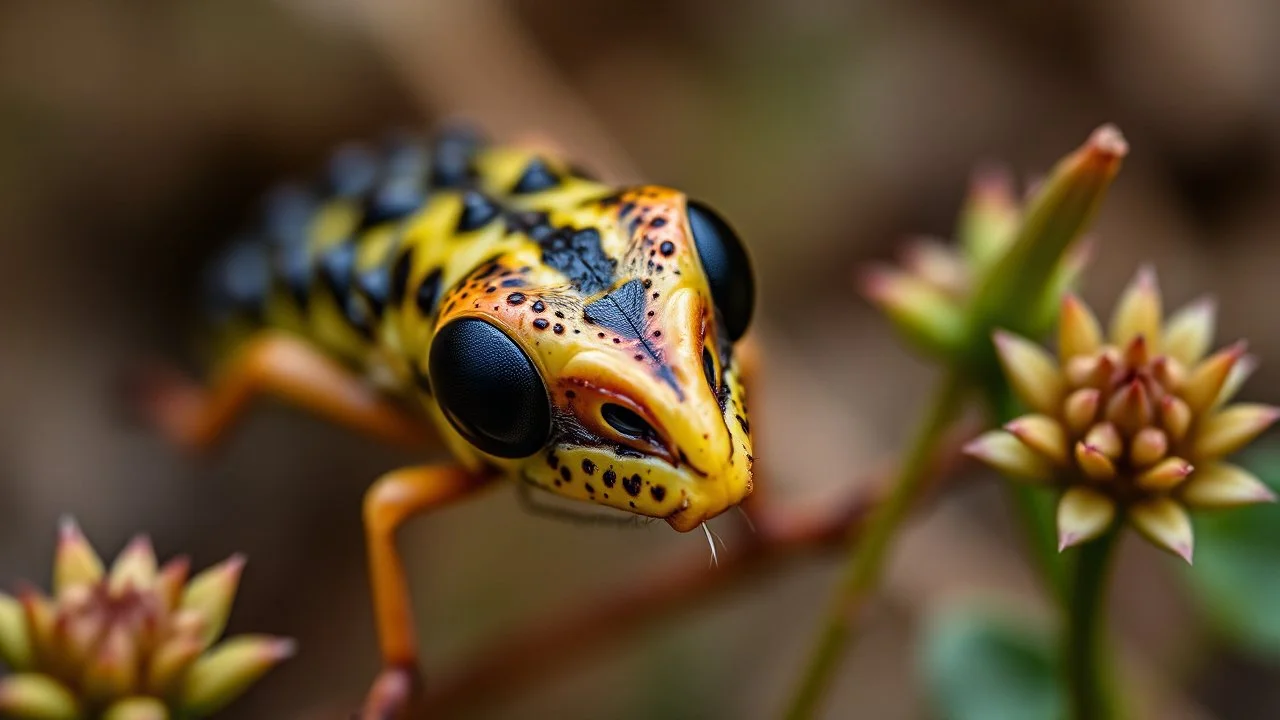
135 136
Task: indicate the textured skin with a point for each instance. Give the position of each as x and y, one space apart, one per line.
601 288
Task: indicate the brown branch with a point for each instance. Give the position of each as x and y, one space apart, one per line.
551 645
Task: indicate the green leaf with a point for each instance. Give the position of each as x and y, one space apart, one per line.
980 665
1236 576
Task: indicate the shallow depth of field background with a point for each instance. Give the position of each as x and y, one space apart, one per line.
135 136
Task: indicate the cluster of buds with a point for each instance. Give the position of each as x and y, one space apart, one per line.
1011 264
132 643
1132 422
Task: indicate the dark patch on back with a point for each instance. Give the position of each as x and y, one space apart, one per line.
429 292
375 286
400 276
537 177
337 266
239 281
477 211
579 256
452 156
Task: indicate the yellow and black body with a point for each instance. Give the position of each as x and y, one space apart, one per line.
548 328
576 336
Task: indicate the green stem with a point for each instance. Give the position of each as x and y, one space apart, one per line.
1035 509
1084 639
866 554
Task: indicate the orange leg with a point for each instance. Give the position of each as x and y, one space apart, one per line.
274 363
395 498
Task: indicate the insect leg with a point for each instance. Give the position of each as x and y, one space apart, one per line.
390 502
274 363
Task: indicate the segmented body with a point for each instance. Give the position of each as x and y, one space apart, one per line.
601 289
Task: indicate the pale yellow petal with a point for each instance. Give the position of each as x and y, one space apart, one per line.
1081 409
1231 428
1223 485
15 640
40 697
229 669
1138 312
135 567
1079 332
211 594
1207 379
1042 434
75 561
1009 456
1094 463
1165 475
1148 447
1189 332
136 708
1032 372
1165 523
1083 514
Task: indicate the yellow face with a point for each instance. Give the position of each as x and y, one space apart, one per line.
593 356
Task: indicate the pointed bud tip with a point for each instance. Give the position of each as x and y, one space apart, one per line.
1146 278
1067 540
1184 551
140 543
282 649
234 565
68 527
1109 142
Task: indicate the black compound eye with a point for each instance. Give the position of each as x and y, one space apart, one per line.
489 389
727 267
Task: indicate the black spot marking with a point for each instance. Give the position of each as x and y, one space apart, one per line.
515 298
553 460
512 282
667 248
358 317
579 256
239 280
352 170
293 265
610 477
742 423
536 177
571 395
588 467
477 211
452 156
631 485
590 490
336 267
393 198
658 492
541 323
429 292
538 306
558 329
531 223
375 286
566 473
400 276
657 222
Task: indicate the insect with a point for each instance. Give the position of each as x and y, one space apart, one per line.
546 328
